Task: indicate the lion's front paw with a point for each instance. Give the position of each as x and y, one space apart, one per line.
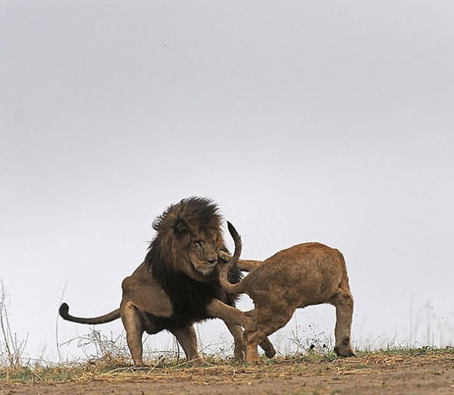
224 256
344 352
197 362
239 353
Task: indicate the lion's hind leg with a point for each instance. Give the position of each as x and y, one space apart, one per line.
268 347
240 340
265 344
343 301
268 319
255 337
132 321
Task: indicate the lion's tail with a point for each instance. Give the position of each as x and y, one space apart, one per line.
223 278
64 313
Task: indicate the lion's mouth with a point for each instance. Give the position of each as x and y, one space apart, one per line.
205 268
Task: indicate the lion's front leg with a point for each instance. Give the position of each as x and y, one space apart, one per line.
238 340
246 265
233 319
187 338
228 314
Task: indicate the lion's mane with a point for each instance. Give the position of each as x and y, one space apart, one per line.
166 259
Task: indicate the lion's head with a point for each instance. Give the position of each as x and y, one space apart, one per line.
188 239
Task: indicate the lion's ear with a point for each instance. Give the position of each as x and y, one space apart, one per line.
180 227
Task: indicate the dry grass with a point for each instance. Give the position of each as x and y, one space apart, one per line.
11 348
162 368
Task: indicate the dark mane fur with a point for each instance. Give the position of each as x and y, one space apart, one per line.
189 296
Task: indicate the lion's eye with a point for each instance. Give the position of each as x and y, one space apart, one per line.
198 243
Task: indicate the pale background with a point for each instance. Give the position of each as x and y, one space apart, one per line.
326 121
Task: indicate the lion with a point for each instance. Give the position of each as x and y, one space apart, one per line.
303 275
177 285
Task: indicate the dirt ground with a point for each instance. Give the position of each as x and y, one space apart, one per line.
373 374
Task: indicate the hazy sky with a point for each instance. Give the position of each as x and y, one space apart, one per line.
326 121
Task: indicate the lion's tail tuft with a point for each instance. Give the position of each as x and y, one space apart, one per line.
64 311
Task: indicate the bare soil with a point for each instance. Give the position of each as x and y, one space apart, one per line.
370 374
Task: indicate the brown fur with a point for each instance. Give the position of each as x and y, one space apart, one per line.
177 284
302 275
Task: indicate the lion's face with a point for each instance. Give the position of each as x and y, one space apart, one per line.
203 251
188 240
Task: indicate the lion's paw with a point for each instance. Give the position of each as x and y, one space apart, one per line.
224 256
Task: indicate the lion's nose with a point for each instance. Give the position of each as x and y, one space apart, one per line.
213 260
